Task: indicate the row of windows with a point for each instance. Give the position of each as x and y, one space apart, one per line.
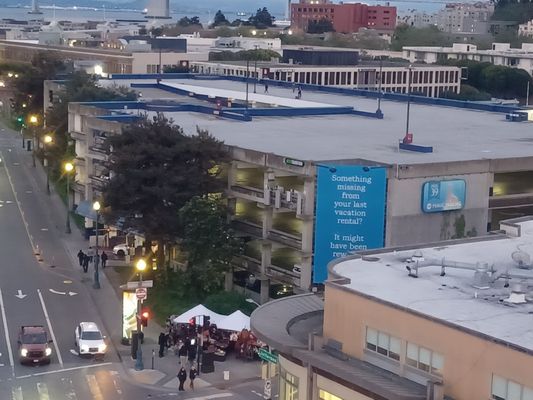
504 389
416 356
331 10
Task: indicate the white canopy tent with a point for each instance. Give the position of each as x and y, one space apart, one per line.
235 322
196 311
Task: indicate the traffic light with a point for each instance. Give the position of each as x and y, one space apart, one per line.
20 119
145 315
207 318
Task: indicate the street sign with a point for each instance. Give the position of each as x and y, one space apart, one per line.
268 389
266 355
141 293
139 284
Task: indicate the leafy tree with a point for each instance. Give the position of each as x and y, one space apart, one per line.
262 19
155 32
513 10
156 169
186 21
175 69
243 55
405 35
219 20
209 242
321 26
467 93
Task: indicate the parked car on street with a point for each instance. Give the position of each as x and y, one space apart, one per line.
121 249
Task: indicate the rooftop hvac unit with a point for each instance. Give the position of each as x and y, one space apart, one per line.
522 259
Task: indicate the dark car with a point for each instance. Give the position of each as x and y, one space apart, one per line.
34 345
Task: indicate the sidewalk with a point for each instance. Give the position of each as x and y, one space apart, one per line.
109 303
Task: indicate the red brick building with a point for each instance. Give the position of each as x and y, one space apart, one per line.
346 18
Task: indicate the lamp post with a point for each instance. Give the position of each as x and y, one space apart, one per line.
47 141
255 69
96 285
33 120
140 265
69 167
409 69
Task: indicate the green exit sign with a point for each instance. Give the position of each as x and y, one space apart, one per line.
294 162
266 355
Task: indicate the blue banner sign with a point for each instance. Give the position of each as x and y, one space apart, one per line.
438 196
350 213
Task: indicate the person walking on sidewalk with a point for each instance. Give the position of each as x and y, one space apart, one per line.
182 352
162 341
192 375
103 257
86 259
182 377
81 257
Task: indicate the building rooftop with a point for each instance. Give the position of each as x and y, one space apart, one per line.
456 134
483 289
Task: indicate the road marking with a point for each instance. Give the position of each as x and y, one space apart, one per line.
116 383
94 388
212 396
20 295
44 229
56 292
70 393
42 389
64 370
18 205
17 393
6 331
67 282
50 327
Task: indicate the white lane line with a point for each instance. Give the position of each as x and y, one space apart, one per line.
94 388
116 383
64 370
212 396
17 393
50 328
70 393
6 331
42 389
18 205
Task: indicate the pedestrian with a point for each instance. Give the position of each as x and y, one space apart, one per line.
104 259
192 375
182 377
86 259
299 92
182 353
266 87
192 351
90 253
162 343
81 257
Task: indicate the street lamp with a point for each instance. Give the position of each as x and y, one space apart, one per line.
33 120
96 285
69 167
47 140
409 76
140 265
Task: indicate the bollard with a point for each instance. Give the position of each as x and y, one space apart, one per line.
153 358
226 375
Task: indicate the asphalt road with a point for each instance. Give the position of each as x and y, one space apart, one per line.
40 286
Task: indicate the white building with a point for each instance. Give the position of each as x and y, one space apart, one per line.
417 19
248 43
429 80
526 29
465 17
499 54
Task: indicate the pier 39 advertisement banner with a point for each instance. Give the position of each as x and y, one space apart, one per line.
350 213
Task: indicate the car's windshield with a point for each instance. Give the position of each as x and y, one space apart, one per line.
91 335
34 338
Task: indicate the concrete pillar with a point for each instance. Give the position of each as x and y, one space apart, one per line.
266 256
228 281
307 232
265 290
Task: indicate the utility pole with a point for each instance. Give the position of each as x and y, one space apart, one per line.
379 84
408 98
247 75
527 95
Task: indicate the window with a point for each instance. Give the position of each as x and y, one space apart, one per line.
424 359
323 395
288 386
383 343
504 389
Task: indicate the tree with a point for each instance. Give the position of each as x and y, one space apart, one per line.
321 26
156 169
209 242
186 21
513 10
219 20
262 19
467 93
243 55
405 35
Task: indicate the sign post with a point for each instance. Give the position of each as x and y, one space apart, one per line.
266 355
141 293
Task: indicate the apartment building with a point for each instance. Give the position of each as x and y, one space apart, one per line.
445 320
526 29
499 54
345 17
425 80
465 17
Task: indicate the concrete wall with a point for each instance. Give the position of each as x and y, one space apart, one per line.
142 60
469 361
407 223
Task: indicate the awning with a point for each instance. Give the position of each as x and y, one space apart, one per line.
85 209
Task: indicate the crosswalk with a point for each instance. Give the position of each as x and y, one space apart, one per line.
102 385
